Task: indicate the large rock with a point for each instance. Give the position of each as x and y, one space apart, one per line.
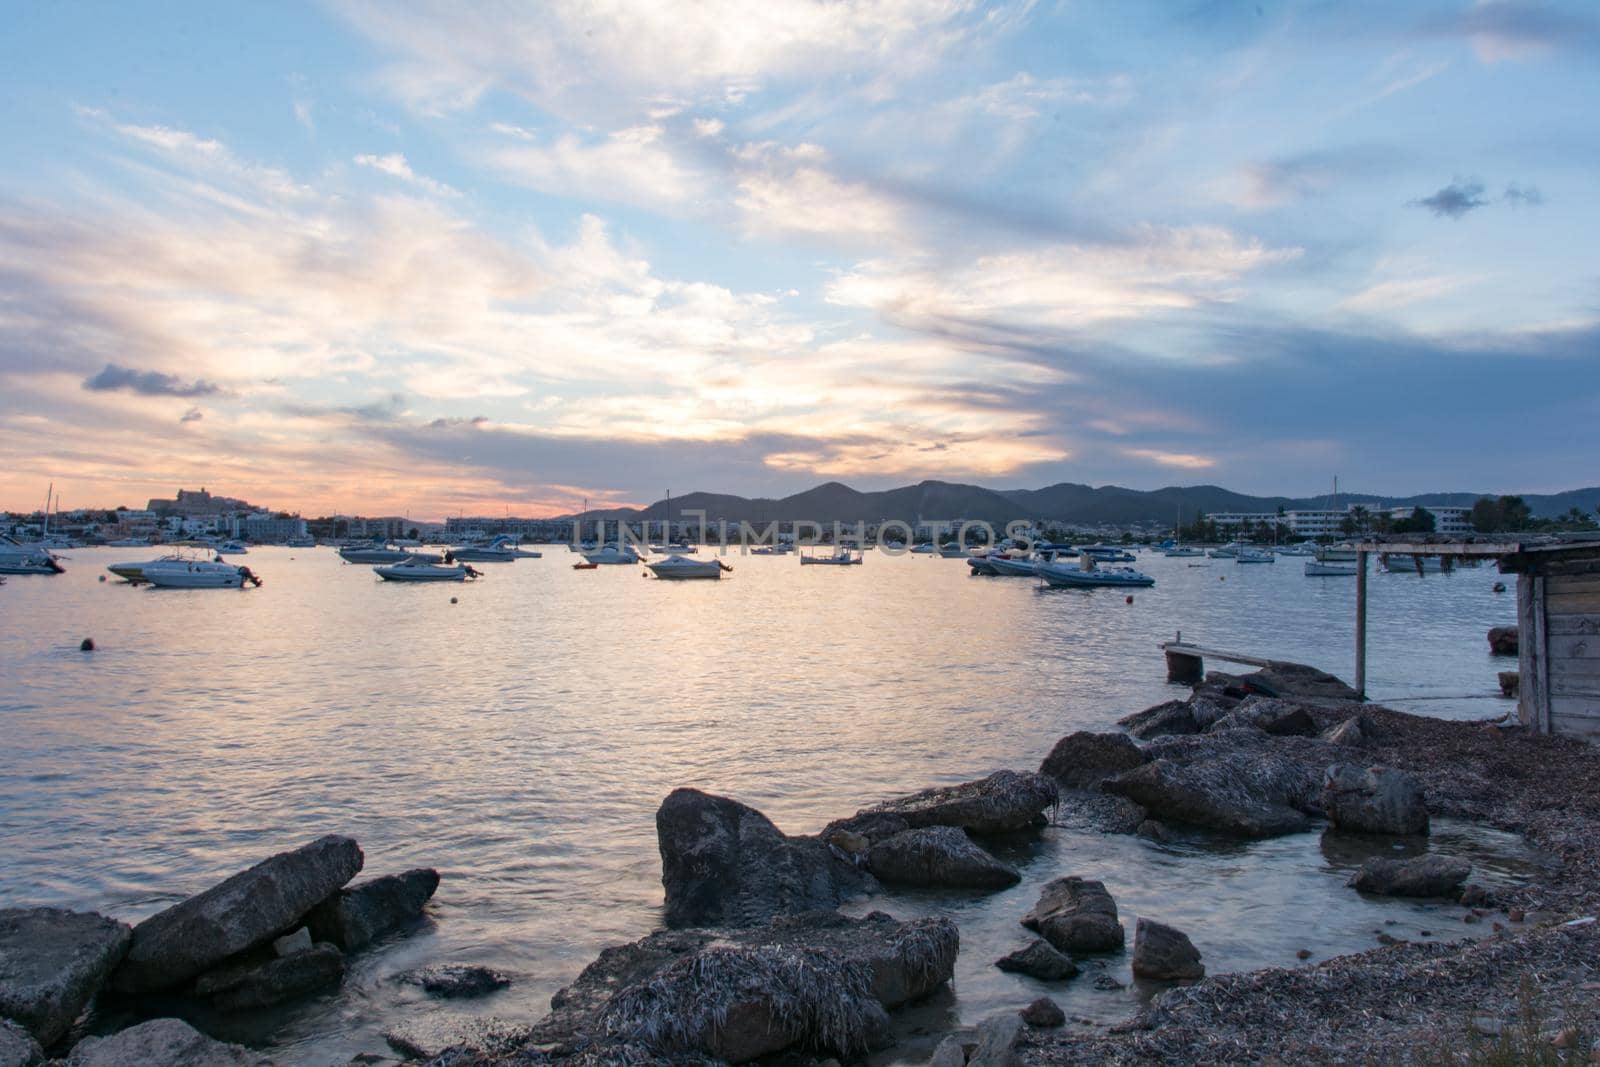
1002 802
244 985
1039 959
428 1035
938 856
819 979
1083 759
253 906
725 862
998 1037
1351 733
18 1047
353 918
452 980
1172 717
1076 915
1242 782
52 962
1374 800
1164 953
162 1043
1270 715
1424 876
1503 640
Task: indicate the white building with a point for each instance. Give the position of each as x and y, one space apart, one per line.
265 528
1445 520
1233 520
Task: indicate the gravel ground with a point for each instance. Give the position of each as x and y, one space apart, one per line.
1500 1000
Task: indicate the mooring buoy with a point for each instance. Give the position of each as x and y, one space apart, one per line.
86 645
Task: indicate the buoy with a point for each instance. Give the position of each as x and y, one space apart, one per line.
1499 587
102 577
452 600
1128 600
1222 577
86 645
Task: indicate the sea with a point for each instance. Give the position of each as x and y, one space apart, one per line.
518 733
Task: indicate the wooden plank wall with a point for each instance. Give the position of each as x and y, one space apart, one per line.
1571 639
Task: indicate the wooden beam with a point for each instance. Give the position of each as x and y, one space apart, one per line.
1183 648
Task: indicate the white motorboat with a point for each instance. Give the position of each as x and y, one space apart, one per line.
923 548
1254 555
678 566
184 553
1014 565
301 542
500 550
843 556
1108 554
232 548
197 574
1184 552
418 570
1336 554
952 551
782 548
376 553
1064 572
1227 551
1315 568
1301 549
612 554
17 558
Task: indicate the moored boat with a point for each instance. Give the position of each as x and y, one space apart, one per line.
612 554
17 558
843 556
1316 568
1254 555
197 574
416 570
1184 552
382 553
679 567
1064 572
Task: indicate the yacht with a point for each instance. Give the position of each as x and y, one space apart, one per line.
1316 568
1336 554
233 548
678 566
1107 554
380 553
416 569
197 574
1254 555
613 554
843 556
923 548
782 548
17 558
1227 551
501 550
1184 552
1302 549
676 548
1403 564
952 551
1063 572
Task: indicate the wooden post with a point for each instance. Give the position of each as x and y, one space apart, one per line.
1361 624
1184 668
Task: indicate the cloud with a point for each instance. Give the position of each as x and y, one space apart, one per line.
394 164
192 415
792 190
1524 195
1403 292
1455 199
1500 30
1180 460
633 165
147 383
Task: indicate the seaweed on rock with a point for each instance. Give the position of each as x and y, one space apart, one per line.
739 1002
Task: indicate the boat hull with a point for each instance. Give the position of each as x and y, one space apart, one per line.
424 573
1315 569
1077 578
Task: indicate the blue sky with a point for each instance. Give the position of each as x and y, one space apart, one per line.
372 257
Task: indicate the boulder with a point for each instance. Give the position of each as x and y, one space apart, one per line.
1076 915
1041 960
938 856
428 1035
1284 679
1164 953
1424 876
1172 717
248 909
256 984
1002 802
353 918
455 980
1270 715
1095 812
949 1053
161 1043
863 830
1213 794
1503 640
1510 682
17 1046
998 1036
1351 733
1374 800
804 978
1043 1013
1083 759
725 862
51 963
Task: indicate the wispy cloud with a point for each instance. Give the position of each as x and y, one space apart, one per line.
116 378
395 166
1455 199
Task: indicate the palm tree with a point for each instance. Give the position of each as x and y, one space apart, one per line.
1361 517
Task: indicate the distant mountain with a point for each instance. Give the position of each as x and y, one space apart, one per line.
1065 503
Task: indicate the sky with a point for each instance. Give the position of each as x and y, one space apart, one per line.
433 258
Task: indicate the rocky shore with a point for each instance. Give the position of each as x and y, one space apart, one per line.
755 964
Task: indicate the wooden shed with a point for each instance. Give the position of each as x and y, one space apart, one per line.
1558 618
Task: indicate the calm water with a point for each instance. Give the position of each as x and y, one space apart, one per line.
521 739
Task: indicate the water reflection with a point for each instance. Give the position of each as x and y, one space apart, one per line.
521 739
